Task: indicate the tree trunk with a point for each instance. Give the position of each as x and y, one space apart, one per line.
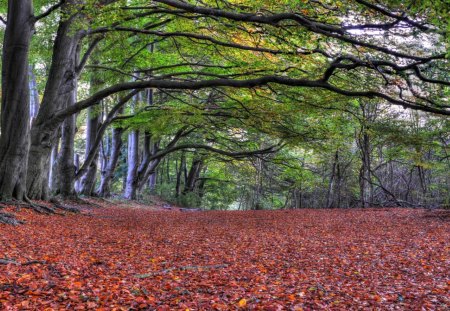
133 160
331 185
60 84
65 162
76 162
193 175
93 124
65 173
152 181
34 95
147 166
107 175
179 172
15 109
365 177
52 167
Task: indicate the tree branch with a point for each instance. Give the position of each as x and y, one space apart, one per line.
109 118
244 83
50 10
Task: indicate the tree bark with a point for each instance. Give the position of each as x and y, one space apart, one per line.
365 176
331 185
179 172
133 160
52 167
92 124
15 108
107 175
65 162
34 95
60 84
193 175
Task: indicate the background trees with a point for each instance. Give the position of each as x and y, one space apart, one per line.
248 104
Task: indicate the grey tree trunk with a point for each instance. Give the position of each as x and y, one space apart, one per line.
34 94
330 194
133 160
52 166
147 166
179 172
365 175
15 109
60 84
150 171
107 174
369 114
152 182
193 175
92 124
65 167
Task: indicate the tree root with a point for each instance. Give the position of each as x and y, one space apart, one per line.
9 219
85 202
61 206
42 209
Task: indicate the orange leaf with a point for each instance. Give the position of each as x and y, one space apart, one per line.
242 303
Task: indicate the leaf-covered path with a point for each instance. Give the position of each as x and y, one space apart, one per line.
135 258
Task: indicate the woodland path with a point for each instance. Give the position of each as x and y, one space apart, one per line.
116 258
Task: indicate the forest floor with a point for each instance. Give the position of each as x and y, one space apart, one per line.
133 257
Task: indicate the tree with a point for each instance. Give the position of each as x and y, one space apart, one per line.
391 53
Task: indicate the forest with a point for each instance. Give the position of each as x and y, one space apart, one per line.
255 105
249 115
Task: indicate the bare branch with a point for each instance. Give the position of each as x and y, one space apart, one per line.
50 10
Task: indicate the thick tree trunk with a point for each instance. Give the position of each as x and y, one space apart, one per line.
15 109
93 124
61 83
65 167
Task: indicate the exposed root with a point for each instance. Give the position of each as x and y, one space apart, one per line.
61 206
85 202
9 219
42 209
6 218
